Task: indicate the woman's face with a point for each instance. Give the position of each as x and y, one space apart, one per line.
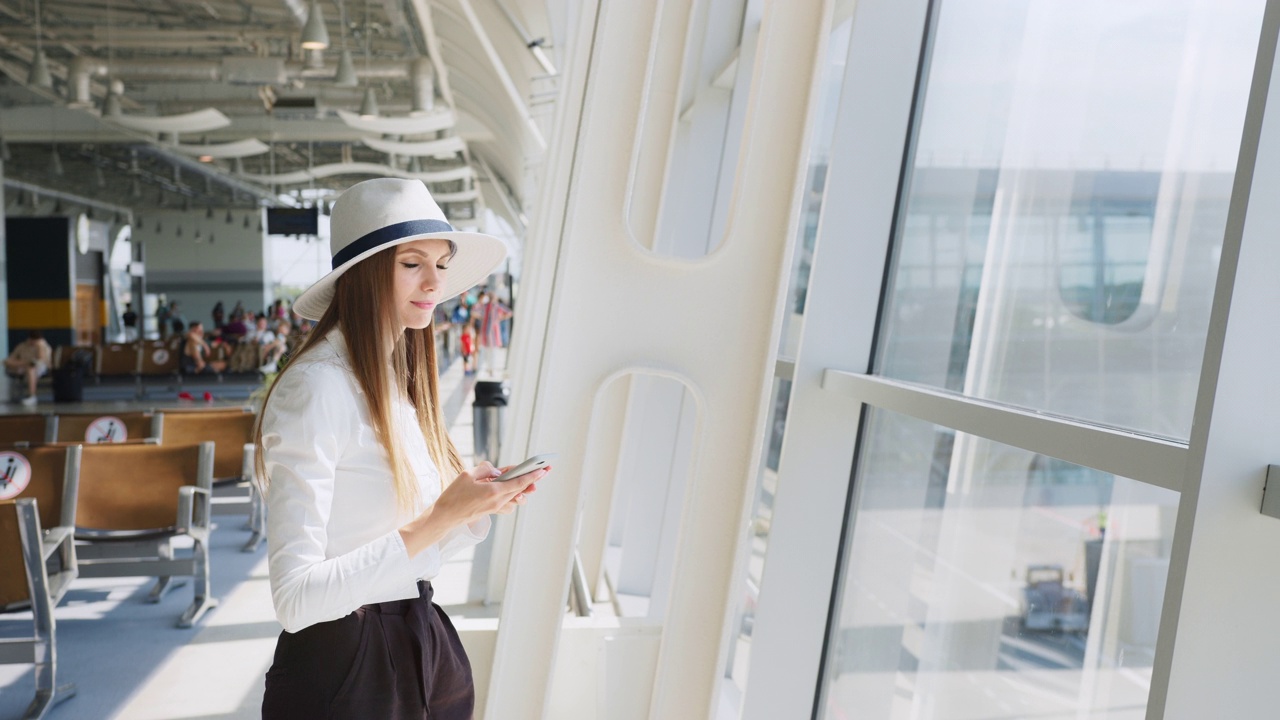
419 280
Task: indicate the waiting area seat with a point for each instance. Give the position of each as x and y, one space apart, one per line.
231 431
50 475
37 566
30 429
114 427
135 499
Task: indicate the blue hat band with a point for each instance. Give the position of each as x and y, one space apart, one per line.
388 234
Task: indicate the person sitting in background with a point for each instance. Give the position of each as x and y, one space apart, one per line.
274 345
30 360
196 353
261 333
247 354
234 331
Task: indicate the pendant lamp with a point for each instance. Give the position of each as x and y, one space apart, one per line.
315 36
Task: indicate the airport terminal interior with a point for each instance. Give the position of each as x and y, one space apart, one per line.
903 359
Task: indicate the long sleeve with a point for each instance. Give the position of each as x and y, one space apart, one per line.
311 416
462 537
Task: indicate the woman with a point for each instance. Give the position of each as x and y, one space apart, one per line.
366 494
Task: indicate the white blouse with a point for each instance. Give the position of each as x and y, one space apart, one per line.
333 541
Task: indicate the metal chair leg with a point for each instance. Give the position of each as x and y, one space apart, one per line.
203 601
251 545
162 587
257 522
46 699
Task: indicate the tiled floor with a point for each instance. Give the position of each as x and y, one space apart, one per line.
128 660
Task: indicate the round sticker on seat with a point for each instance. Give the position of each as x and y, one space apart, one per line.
15 474
106 429
160 357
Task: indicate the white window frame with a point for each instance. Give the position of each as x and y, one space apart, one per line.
1219 472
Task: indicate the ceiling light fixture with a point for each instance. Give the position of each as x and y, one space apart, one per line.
346 76
39 75
315 36
369 106
111 103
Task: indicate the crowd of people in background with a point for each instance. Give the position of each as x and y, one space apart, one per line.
245 341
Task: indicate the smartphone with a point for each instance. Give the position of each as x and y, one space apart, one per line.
536 462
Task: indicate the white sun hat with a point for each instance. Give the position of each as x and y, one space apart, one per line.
377 214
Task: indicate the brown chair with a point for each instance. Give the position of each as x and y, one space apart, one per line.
63 354
95 428
134 500
157 358
231 432
25 581
203 410
31 429
50 475
119 359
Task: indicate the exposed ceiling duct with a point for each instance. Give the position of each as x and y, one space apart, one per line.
142 76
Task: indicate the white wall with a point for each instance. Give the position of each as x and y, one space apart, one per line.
228 262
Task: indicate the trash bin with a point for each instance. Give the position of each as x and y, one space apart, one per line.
486 420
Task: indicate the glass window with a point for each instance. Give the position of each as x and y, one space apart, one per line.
986 582
1065 204
815 180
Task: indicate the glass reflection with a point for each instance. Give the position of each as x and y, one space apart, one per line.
1065 203
982 581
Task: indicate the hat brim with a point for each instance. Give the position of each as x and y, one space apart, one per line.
477 256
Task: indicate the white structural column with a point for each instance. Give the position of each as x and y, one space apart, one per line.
616 309
1217 653
839 329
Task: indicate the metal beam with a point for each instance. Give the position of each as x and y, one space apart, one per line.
42 191
504 76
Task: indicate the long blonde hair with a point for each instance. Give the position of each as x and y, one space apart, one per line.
363 309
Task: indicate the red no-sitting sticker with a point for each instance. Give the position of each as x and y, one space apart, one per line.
106 429
15 474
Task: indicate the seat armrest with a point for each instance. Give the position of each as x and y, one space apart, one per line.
55 537
193 510
246 465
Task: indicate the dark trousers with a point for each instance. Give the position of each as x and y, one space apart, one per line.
391 660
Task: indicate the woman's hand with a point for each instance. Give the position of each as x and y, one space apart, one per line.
472 495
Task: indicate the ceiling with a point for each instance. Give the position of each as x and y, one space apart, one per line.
219 105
